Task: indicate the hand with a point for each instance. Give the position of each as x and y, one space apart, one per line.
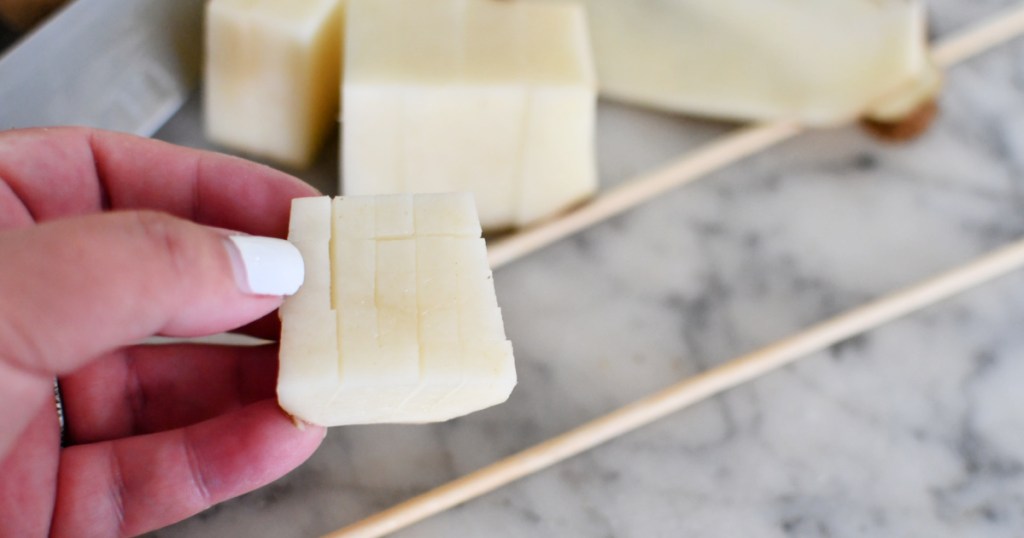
154 433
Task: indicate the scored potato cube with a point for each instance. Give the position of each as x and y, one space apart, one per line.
398 319
494 98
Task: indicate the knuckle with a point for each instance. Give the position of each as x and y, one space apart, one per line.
167 239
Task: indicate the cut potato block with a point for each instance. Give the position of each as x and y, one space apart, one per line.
271 76
397 320
822 62
486 96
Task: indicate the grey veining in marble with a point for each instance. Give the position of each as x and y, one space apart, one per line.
914 429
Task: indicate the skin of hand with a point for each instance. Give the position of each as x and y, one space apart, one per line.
105 240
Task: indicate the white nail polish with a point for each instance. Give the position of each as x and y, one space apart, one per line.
266 266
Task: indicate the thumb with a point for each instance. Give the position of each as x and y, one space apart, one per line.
77 288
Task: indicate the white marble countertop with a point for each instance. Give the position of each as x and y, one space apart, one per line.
914 429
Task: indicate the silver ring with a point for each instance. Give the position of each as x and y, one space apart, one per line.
60 411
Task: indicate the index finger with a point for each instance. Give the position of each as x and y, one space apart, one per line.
73 171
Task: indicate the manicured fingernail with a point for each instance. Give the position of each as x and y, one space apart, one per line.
266 266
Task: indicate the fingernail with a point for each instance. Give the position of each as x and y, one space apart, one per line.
266 266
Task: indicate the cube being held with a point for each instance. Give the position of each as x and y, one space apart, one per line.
397 320
492 97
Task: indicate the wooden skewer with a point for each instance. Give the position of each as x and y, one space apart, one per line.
980 37
733 373
739 144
